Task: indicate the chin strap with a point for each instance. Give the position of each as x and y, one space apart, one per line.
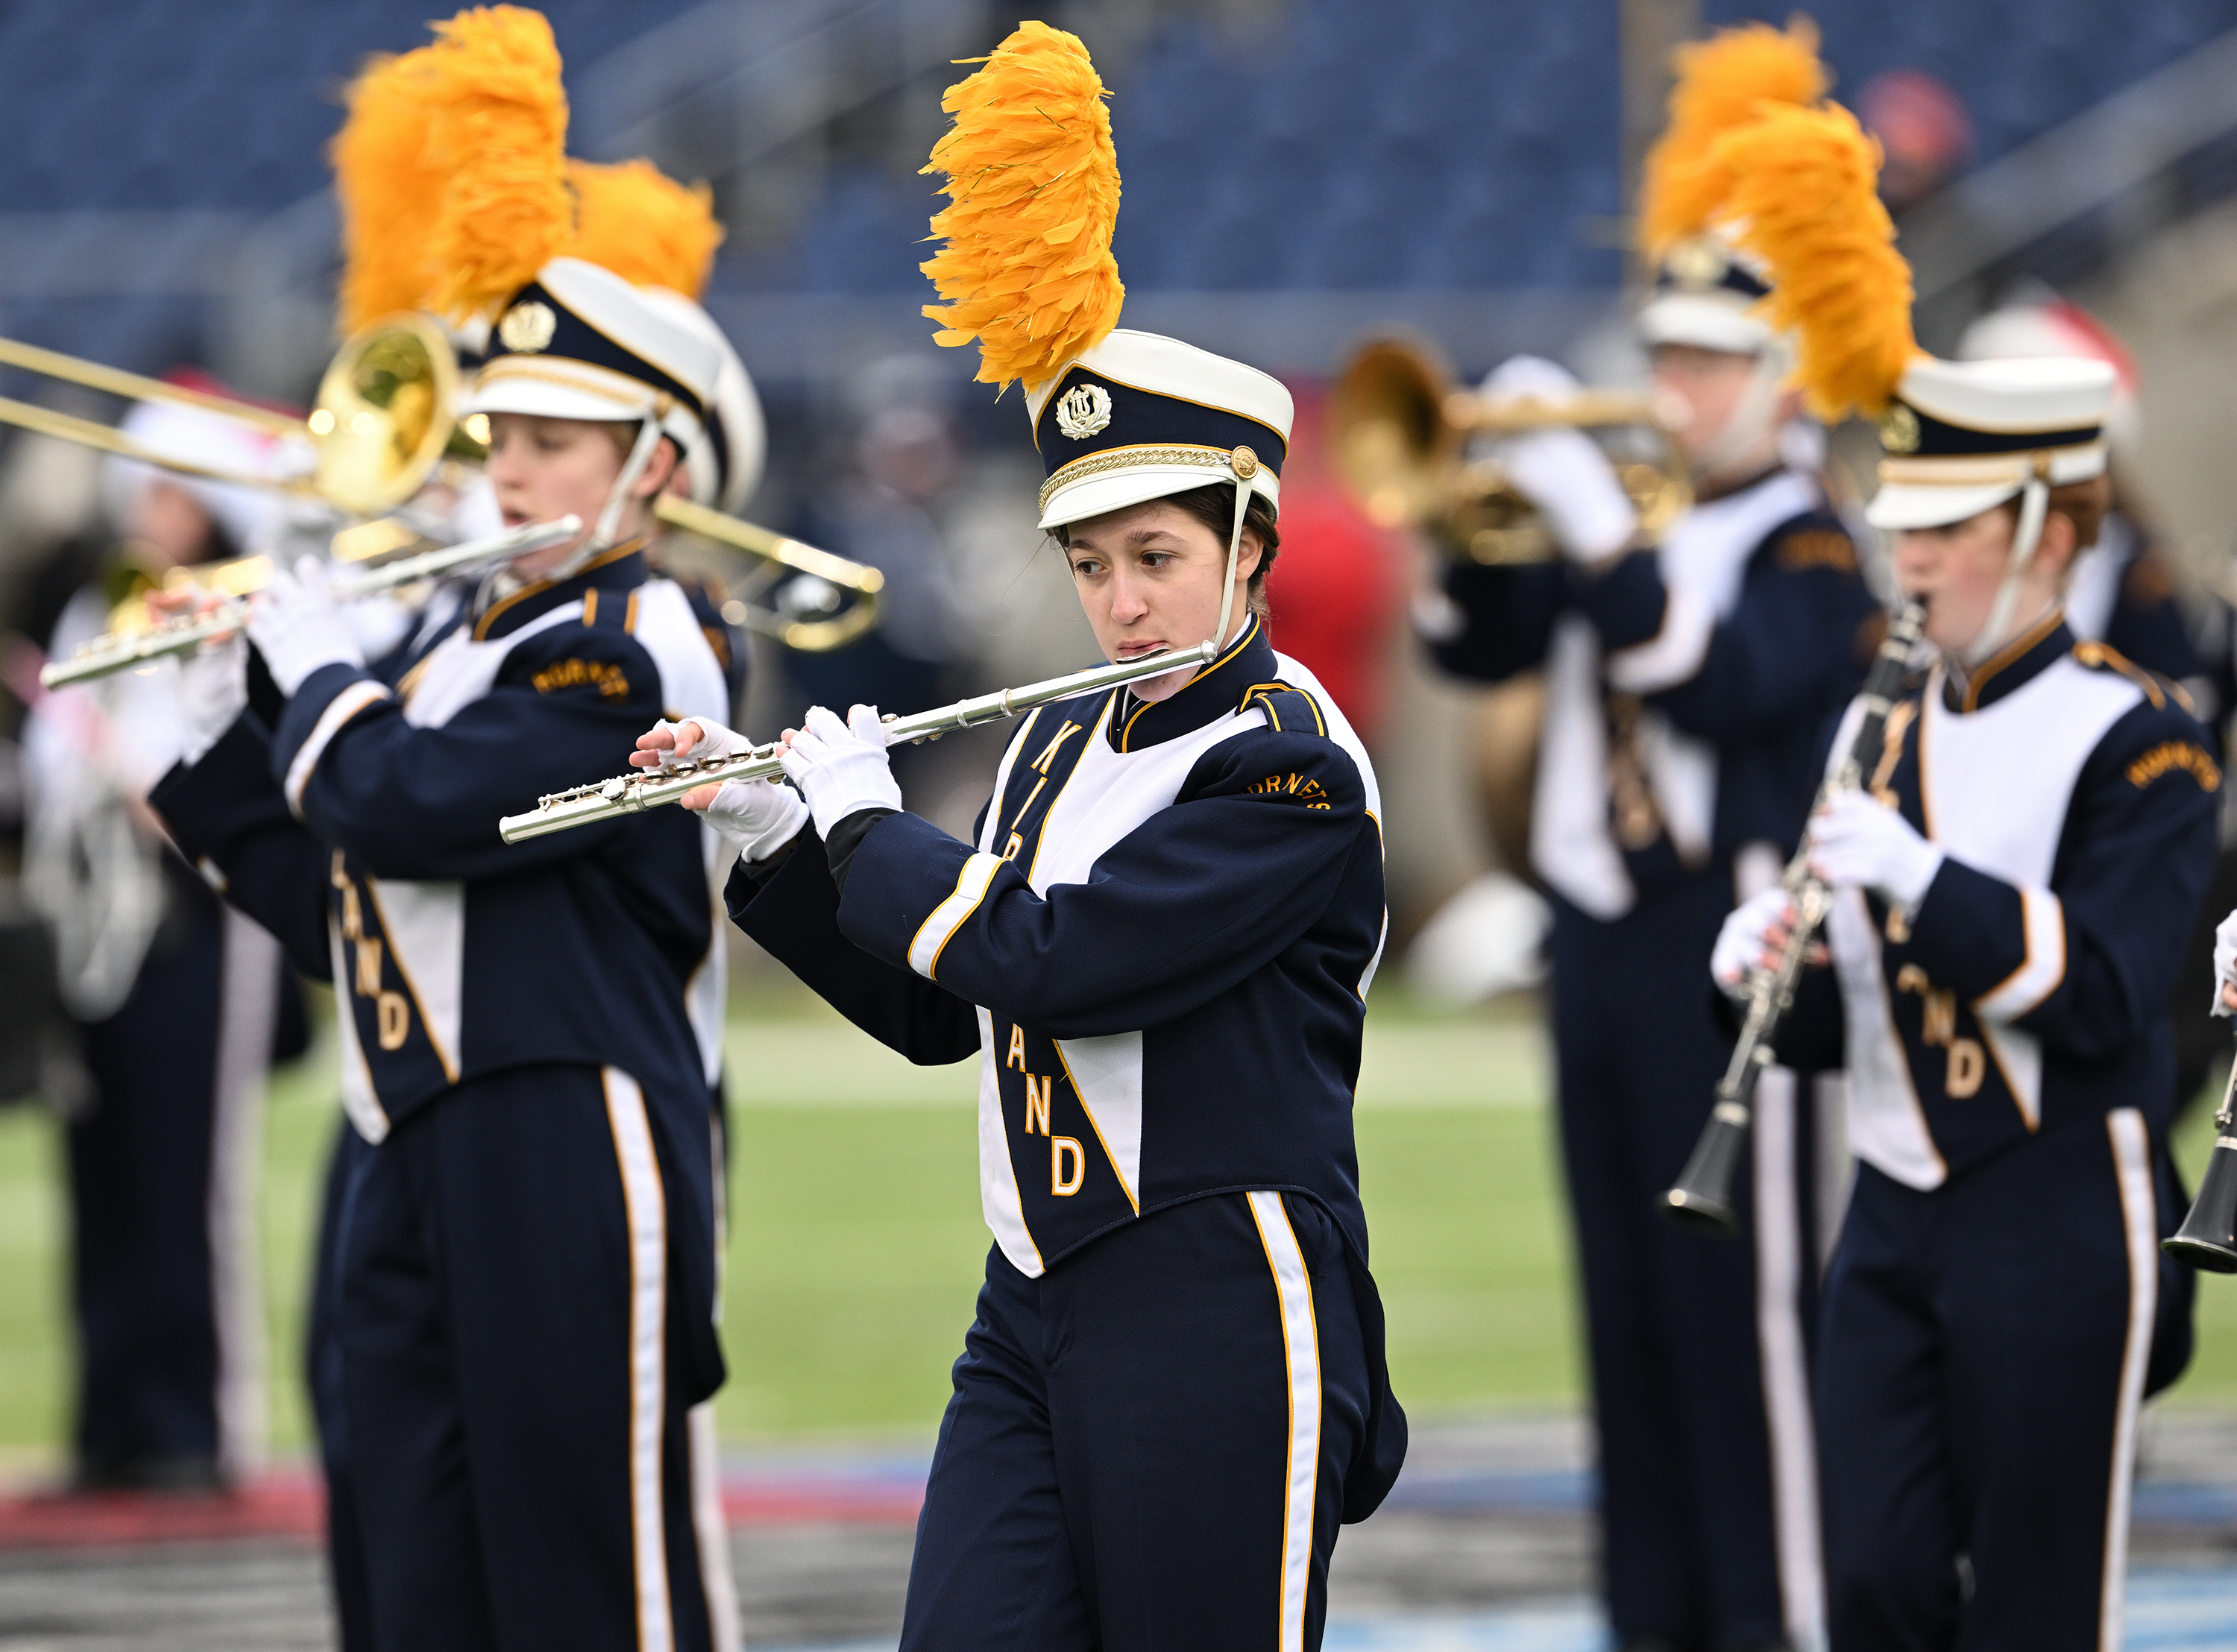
603 535
1752 415
2034 505
1234 557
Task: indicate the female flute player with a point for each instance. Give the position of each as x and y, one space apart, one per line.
1157 945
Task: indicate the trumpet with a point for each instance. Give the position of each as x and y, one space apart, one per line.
1703 1193
2207 1237
649 789
1399 431
105 656
382 427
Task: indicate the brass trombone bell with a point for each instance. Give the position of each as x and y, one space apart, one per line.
1400 431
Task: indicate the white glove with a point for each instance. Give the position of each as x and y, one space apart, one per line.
710 740
757 817
213 693
1857 842
840 767
2225 959
296 627
1563 472
1741 943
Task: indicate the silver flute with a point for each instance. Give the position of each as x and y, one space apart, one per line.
105 656
649 789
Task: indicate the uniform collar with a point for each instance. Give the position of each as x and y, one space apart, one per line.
621 568
2011 667
1213 693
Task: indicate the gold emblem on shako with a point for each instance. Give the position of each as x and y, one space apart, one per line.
527 327
1084 410
1899 430
1697 264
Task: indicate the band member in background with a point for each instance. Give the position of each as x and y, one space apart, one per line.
1157 945
1689 677
179 1001
2014 879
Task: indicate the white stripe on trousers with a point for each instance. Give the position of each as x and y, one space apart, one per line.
647 1209
248 1004
2132 1166
1780 1257
1301 1350
713 1532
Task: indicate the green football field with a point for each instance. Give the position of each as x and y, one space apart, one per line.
855 1242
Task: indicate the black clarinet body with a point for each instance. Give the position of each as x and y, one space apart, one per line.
1703 1194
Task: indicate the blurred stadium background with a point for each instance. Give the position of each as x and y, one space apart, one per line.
1296 174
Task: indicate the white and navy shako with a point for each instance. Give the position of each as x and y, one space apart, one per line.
580 342
1963 436
1140 416
725 467
1706 294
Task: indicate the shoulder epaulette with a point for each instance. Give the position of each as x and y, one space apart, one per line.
1289 709
608 609
1815 541
2103 656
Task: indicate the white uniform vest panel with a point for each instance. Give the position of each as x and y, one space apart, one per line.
1108 795
1703 562
1996 785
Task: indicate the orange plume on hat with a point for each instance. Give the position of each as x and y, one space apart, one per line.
1033 188
1736 76
636 220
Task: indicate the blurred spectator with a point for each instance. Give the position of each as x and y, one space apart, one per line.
1921 127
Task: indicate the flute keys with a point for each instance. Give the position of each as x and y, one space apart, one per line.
612 790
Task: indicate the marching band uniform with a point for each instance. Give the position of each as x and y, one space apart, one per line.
527 1253
179 1001
1158 945
2001 954
1688 684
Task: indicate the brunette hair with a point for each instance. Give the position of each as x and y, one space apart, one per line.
1213 505
2082 503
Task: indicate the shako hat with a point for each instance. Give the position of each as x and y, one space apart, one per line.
1962 436
1708 291
1119 417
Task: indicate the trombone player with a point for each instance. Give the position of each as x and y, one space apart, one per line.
1688 678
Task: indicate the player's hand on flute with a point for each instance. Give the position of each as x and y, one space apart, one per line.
213 680
1563 472
1754 934
2225 965
296 627
840 767
1857 842
757 817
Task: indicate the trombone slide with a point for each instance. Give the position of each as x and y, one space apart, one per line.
106 657
649 789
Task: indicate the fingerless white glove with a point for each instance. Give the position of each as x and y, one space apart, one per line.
2225 959
213 693
840 767
1563 472
296 627
1741 943
1857 842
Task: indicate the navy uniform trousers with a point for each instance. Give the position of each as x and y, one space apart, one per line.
2004 1318
1675 1318
1146 1446
505 1283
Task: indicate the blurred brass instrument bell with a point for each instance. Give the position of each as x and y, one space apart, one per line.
1399 432
382 429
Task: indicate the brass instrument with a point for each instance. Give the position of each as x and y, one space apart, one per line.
128 650
648 788
2207 1237
382 428
1703 1194
1399 431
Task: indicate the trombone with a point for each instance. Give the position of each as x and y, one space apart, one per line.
382 428
1399 431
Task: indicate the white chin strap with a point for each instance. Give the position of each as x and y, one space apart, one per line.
609 522
1752 415
1234 557
2034 505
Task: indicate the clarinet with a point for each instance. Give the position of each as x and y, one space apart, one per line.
1703 1194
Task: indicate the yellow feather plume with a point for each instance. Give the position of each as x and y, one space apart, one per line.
1723 83
1801 191
1033 188
450 169
643 225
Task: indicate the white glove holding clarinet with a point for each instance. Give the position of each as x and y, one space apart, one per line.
2225 965
1857 842
1752 934
756 817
